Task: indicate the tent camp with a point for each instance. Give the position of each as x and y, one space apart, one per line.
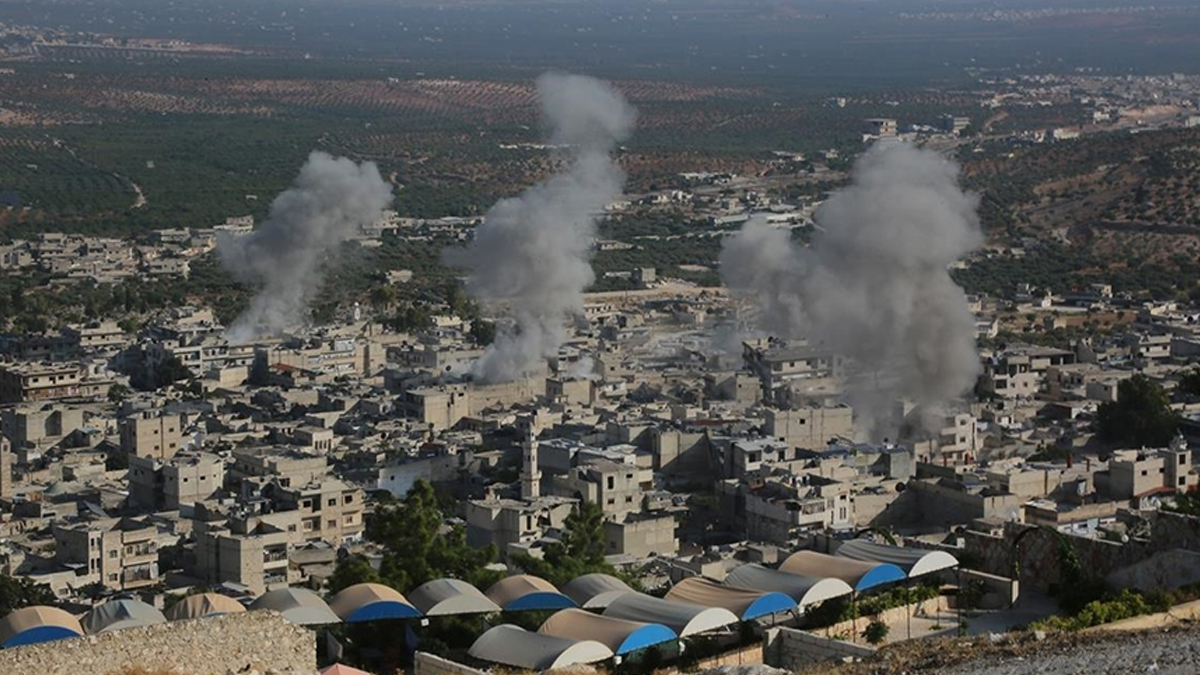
514 646
595 591
523 592
746 604
859 575
914 561
298 605
619 635
119 615
445 597
201 605
682 618
805 591
31 625
371 602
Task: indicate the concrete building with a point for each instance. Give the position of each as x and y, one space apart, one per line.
642 535
6 469
41 426
122 553
35 382
330 510
187 478
1134 474
1020 372
617 488
153 434
508 522
880 126
809 427
248 549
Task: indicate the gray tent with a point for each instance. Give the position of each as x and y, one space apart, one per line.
298 605
683 618
119 615
444 597
914 561
517 647
804 590
596 590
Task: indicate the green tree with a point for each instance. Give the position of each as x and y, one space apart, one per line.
1141 415
354 569
16 593
1189 382
483 332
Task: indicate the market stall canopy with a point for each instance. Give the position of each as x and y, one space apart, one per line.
595 591
526 592
201 605
805 591
619 635
371 602
914 561
298 605
447 597
119 615
514 646
39 623
859 575
680 617
746 603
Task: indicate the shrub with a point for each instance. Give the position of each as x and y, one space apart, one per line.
876 632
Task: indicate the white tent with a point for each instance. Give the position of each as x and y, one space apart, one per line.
680 617
514 646
445 597
119 615
746 603
914 561
595 591
806 591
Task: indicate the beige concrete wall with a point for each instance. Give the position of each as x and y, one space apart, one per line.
259 640
428 664
793 650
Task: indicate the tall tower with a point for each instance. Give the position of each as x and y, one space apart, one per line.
6 471
531 475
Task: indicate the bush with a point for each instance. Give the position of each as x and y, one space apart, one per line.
876 632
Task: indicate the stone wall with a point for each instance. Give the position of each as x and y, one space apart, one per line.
748 656
794 650
215 645
851 630
428 664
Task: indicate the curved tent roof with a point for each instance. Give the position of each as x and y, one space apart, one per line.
805 591
860 575
39 623
595 591
298 605
527 592
371 602
514 646
747 604
444 597
619 635
914 561
119 615
680 617
201 605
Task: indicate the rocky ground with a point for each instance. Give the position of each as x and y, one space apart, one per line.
1169 651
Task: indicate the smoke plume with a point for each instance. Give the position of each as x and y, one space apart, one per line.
531 253
330 199
874 284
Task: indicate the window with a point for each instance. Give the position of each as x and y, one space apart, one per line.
331 524
113 577
331 501
1182 480
611 482
1143 472
112 553
348 499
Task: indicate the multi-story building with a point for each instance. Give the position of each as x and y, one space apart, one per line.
248 549
1020 372
121 553
509 522
330 510
186 478
151 433
35 382
809 427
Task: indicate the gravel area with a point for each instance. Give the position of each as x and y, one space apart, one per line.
1175 652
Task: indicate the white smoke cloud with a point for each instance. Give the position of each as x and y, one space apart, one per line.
531 254
874 284
330 199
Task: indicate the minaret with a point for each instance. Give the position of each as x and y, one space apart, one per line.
6 472
531 475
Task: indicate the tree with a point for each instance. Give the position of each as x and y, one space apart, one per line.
16 593
1189 382
483 332
1140 417
580 552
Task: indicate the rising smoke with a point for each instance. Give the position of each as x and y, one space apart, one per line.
330 199
874 284
531 254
